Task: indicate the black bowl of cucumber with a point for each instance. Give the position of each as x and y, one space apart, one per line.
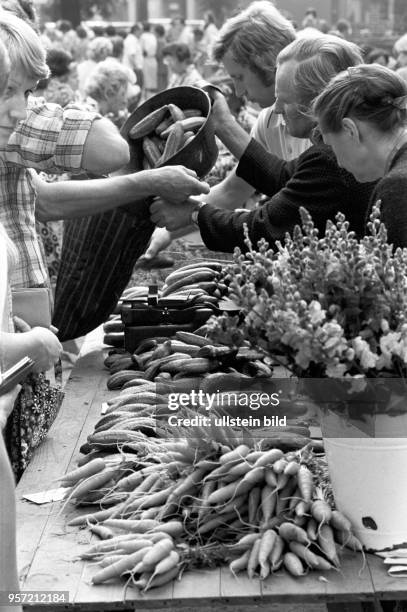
173 127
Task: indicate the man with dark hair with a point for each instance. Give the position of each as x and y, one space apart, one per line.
313 180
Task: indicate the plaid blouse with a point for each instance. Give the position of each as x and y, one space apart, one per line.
51 139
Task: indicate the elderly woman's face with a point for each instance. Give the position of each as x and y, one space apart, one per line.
353 155
13 103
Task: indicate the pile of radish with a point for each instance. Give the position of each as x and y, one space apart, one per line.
208 504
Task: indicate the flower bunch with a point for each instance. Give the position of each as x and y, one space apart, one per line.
325 307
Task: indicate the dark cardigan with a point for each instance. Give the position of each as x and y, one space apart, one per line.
392 191
313 180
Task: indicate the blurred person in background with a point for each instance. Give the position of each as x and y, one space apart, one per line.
162 68
343 29
182 70
149 48
210 30
107 87
81 48
175 29
323 26
312 12
62 83
199 50
69 38
310 24
377 56
133 53
110 30
179 32
44 36
98 50
133 90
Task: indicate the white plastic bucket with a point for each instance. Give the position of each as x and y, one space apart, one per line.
369 476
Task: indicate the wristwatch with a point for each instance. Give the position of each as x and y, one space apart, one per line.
195 212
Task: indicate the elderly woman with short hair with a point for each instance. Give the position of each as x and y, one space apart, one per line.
108 87
362 114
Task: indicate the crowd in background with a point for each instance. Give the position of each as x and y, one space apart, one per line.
153 58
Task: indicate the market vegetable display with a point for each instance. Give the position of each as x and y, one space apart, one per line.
167 499
165 131
188 505
202 278
161 359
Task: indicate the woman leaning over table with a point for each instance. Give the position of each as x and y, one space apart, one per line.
362 114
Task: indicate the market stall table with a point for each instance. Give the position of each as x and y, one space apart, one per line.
48 549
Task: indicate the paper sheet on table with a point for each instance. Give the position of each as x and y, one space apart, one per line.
45 497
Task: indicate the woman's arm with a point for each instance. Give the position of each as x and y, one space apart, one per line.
318 185
70 199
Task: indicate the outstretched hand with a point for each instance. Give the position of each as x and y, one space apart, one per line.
171 216
220 113
176 183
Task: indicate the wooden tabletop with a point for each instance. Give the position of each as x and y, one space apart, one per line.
47 548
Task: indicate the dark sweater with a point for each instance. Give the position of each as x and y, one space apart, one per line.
314 180
392 191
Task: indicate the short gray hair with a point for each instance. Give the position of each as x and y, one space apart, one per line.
318 60
100 48
107 78
255 37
